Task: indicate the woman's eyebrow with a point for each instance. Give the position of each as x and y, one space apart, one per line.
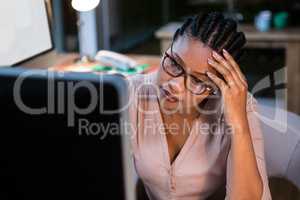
178 59
200 73
181 62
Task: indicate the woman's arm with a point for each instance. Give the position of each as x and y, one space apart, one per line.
248 179
244 180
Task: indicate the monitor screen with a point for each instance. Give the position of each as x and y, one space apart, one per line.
63 153
24 30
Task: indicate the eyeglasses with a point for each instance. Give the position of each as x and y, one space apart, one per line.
195 85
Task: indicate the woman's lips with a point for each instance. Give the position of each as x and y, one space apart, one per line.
168 95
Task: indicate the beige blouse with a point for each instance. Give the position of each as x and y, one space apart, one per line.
204 162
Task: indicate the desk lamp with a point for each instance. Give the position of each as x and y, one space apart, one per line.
87 28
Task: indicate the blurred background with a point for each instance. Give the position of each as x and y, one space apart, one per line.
131 27
132 24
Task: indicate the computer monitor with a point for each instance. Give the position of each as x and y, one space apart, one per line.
25 31
63 136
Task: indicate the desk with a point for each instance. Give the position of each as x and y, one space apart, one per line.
65 61
67 64
289 39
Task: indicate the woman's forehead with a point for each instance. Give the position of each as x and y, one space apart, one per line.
193 53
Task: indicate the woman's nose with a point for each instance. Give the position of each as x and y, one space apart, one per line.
176 84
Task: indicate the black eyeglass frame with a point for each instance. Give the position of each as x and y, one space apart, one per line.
185 74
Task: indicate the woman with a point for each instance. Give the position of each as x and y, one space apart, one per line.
194 123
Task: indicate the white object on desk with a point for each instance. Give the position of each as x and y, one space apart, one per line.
115 59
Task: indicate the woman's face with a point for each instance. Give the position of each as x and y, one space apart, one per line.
192 56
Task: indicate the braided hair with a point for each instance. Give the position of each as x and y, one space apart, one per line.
215 31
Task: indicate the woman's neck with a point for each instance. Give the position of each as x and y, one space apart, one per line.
180 119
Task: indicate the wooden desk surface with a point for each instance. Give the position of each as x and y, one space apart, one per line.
67 64
153 61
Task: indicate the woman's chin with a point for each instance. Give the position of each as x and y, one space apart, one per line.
174 107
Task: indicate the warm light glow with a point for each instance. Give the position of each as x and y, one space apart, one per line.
85 5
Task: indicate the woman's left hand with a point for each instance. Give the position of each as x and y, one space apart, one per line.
234 89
